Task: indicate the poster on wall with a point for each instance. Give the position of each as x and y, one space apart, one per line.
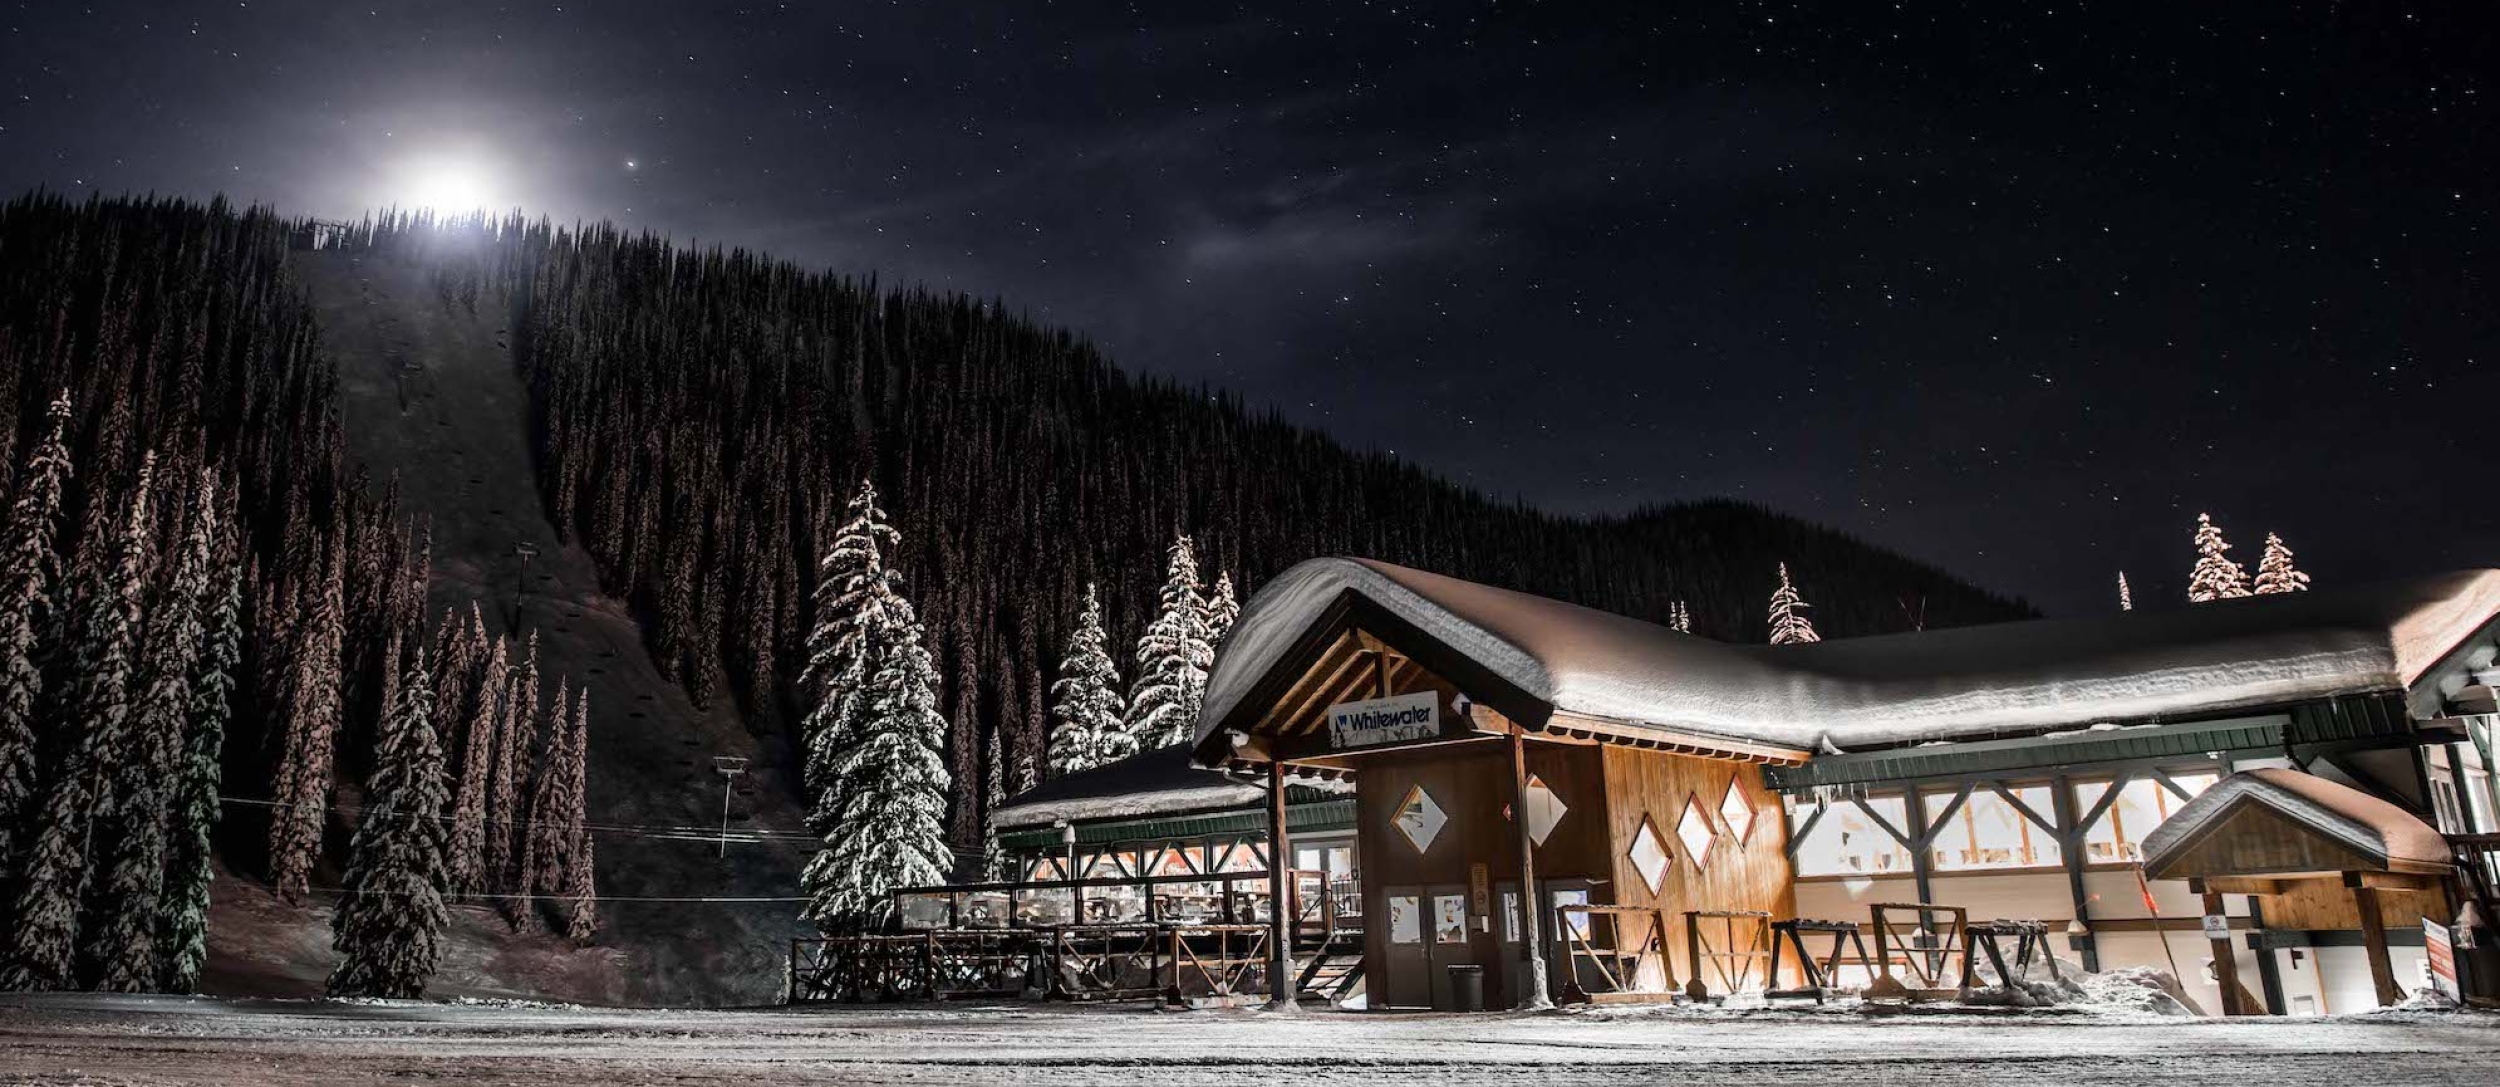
1449 921
1406 921
2439 958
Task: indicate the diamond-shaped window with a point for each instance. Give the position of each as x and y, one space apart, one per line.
1695 831
1544 810
1649 856
1736 811
1420 819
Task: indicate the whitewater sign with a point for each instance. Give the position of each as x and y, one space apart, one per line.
1397 719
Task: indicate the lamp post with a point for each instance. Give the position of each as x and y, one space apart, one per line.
730 766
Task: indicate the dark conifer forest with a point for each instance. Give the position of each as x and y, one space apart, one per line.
700 418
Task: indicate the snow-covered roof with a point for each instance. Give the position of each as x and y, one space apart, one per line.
1963 683
1160 782
2389 837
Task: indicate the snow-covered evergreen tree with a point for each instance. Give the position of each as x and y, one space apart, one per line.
581 894
537 849
2275 572
1679 619
389 922
44 939
28 582
2126 596
467 858
182 926
133 833
2215 576
1789 625
506 812
307 745
1086 699
1223 609
1172 659
855 623
884 803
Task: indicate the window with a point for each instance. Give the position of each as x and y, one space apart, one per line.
2478 799
1649 855
1987 832
1737 810
1420 819
1544 810
1845 842
1694 830
2142 804
1406 919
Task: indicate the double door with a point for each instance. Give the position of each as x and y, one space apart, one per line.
1429 931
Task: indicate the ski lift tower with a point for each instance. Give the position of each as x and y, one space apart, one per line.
730 766
526 551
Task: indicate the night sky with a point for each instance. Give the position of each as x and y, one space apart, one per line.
2019 292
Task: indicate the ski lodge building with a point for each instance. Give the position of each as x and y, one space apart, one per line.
2269 796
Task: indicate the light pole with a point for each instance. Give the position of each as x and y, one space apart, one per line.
730 766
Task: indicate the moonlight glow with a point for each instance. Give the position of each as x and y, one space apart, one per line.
446 184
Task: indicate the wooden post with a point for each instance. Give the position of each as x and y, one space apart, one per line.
2226 968
1280 911
2374 939
1532 994
2070 843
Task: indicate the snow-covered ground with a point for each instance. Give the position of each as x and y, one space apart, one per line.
159 1040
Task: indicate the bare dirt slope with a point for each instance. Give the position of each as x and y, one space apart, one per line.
150 1040
430 392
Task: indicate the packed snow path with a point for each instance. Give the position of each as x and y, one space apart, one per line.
156 1040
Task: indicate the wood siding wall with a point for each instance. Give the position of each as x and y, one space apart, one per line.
1748 874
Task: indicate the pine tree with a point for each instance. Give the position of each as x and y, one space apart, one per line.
389 922
479 750
1222 611
43 943
1172 659
1087 700
504 812
308 745
2126 596
854 597
530 862
2215 576
182 929
556 808
1789 625
887 786
2275 572
581 894
27 584
131 899
1679 619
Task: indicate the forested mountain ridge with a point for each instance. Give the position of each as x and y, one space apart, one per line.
702 415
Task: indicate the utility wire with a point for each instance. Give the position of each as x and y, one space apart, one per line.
628 830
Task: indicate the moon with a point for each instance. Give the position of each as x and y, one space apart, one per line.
449 185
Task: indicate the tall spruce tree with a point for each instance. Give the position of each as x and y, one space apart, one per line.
479 750
1789 625
855 622
27 586
2275 572
1679 619
2215 576
1172 658
556 806
308 744
506 813
886 785
182 928
581 894
44 936
130 901
389 922
1086 699
2126 596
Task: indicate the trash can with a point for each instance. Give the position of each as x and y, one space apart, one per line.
1466 988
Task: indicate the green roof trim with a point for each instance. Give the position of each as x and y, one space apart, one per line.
2358 718
1336 813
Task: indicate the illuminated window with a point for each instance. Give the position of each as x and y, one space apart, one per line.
1736 810
1420 819
2142 804
1544 810
1649 855
1845 842
1988 832
1694 830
